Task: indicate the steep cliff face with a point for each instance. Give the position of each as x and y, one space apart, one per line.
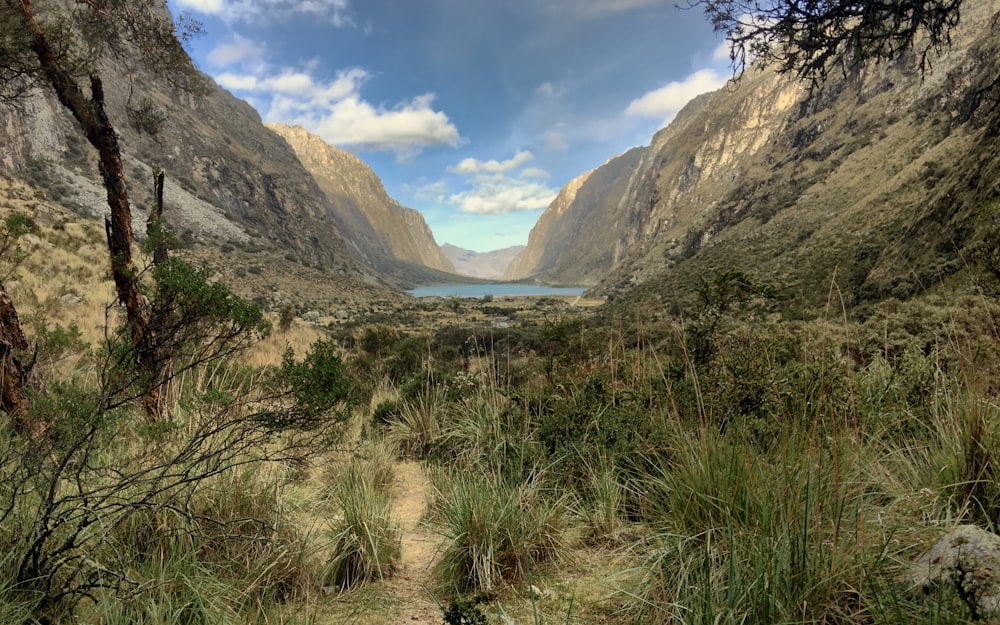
376 224
881 183
526 262
574 241
230 180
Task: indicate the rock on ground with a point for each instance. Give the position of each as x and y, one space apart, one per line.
968 559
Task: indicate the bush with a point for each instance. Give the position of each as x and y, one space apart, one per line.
497 531
365 543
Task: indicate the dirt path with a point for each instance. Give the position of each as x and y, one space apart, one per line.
419 548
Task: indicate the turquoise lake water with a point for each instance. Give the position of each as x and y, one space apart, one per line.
496 290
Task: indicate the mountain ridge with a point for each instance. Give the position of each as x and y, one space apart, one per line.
379 226
878 183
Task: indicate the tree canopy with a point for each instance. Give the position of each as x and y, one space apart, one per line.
811 38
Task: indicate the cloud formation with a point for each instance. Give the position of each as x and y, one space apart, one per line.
666 101
334 109
496 189
474 166
238 50
335 11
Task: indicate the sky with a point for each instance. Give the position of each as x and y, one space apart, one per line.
474 112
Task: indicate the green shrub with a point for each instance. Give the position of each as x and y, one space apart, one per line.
365 543
497 531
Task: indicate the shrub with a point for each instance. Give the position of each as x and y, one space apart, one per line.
365 543
497 531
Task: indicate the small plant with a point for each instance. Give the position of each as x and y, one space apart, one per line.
467 611
285 317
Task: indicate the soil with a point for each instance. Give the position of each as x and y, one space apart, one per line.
419 548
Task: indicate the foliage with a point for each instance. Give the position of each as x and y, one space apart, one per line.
319 385
812 39
365 543
14 227
193 322
466 611
497 531
285 317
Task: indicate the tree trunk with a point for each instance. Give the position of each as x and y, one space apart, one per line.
16 375
92 118
163 306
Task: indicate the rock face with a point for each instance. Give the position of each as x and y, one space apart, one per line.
377 225
574 241
881 182
968 559
486 265
229 179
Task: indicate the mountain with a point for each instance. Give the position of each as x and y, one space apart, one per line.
486 265
881 183
377 226
572 243
231 184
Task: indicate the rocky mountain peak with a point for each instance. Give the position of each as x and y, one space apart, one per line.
381 229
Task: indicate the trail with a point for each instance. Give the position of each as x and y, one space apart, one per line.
419 548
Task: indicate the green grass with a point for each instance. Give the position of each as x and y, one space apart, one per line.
364 540
496 531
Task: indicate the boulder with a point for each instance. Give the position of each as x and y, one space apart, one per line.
968 559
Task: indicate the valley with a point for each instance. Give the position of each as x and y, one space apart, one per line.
747 373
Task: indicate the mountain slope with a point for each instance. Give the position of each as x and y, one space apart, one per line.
571 242
486 265
883 183
377 225
231 182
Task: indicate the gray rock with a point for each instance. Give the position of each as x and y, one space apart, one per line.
342 315
70 299
312 316
967 558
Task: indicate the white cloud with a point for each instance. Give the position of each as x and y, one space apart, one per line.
666 101
335 11
474 166
335 109
496 189
406 128
722 52
211 7
238 50
435 192
505 196
534 172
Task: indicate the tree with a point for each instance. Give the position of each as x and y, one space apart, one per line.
62 45
811 38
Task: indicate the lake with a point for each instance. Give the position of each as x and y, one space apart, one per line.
496 290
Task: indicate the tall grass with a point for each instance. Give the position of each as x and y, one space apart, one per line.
496 531
747 536
364 539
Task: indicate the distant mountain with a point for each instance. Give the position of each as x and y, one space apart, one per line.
878 184
377 226
486 265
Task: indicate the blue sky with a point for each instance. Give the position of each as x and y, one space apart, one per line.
474 112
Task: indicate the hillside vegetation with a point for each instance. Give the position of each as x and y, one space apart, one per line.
718 466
